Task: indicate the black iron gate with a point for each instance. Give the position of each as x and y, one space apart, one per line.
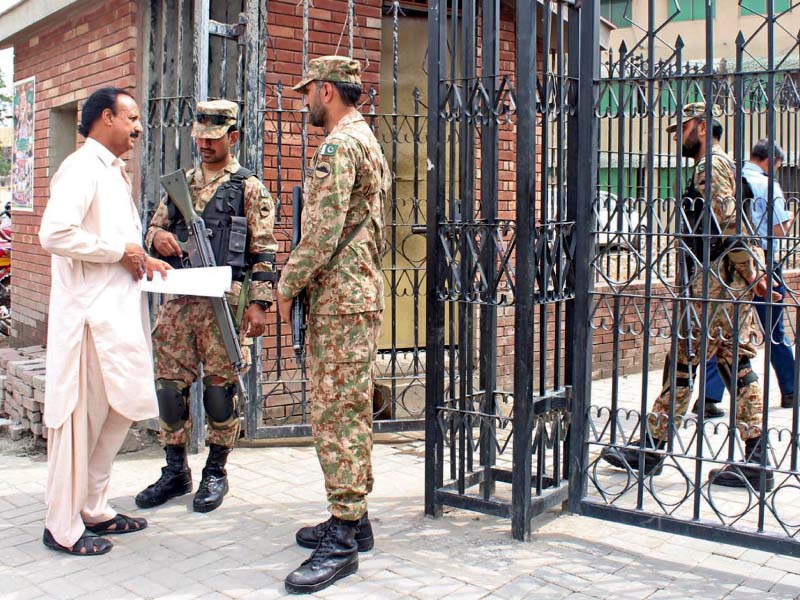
583 263
638 300
500 252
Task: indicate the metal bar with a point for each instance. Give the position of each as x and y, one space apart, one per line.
698 530
527 71
393 232
200 56
226 30
469 67
252 149
434 320
490 66
584 68
489 507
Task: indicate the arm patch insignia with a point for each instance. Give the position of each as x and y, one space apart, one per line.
328 149
322 170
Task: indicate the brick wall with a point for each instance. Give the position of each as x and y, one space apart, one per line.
69 58
631 345
282 145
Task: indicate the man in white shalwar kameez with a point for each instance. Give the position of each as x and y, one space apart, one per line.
99 361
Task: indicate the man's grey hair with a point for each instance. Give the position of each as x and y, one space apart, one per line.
761 150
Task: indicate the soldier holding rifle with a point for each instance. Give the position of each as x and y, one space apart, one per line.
238 214
338 263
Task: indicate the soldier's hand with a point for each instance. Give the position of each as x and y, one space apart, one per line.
284 307
133 260
254 322
166 244
153 264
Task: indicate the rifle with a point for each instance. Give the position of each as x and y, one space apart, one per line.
200 255
299 301
686 294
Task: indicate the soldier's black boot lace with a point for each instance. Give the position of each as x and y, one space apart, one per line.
214 485
175 480
335 557
309 537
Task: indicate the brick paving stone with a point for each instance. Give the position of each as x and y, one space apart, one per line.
746 593
61 589
527 586
246 548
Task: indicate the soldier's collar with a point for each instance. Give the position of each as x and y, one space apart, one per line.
231 167
347 119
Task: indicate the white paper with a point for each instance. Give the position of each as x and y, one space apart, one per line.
209 281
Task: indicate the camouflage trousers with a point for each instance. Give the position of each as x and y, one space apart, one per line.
187 334
342 352
726 282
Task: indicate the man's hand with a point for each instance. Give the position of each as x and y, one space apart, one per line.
153 264
166 244
133 260
284 307
254 322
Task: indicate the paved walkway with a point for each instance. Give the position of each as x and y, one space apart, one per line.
245 548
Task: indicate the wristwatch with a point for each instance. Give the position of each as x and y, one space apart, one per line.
262 303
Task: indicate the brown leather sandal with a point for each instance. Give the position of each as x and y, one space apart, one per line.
119 524
87 545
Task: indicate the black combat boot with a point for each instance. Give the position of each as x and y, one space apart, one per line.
309 537
214 485
628 457
175 480
336 557
735 475
711 411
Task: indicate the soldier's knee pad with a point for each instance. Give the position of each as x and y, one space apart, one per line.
749 376
173 405
684 374
218 401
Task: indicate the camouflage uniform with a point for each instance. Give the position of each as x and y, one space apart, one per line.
186 332
347 183
727 280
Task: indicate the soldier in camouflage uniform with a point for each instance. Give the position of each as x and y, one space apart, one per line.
345 190
734 274
238 210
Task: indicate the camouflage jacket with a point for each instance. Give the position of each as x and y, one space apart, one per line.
260 213
723 187
348 181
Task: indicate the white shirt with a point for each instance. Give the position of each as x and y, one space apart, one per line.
88 220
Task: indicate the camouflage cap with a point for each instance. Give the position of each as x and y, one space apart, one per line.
213 118
331 68
694 110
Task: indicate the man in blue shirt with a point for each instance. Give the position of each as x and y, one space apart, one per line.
756 171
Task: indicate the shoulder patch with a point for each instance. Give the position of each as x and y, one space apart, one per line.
322 170
328 149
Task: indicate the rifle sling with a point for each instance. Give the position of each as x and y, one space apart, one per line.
243 298
346 242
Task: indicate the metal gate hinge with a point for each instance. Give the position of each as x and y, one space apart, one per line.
554 400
